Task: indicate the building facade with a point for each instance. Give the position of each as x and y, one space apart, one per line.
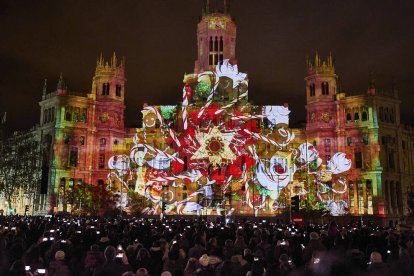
80 133
218 153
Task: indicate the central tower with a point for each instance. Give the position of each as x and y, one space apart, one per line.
216 36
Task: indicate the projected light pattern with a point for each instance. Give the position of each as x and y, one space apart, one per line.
218 154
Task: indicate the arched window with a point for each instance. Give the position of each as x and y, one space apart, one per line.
116 142
356 116
105 88
53 114
221 44
348 117
215 44
364 115
68 116
325 88
118 90
312 90
211 44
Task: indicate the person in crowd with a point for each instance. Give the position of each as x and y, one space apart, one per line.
94 258
95 246
112 266
58 267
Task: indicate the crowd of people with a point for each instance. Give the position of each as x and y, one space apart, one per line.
143 246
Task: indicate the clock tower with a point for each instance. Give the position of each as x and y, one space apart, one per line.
216 36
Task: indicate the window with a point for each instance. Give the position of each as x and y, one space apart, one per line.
215 44
53 114
66 139
102 141
325 88
348 118
383 140
312 90
364 116
210 59
391 163
211 44
82 140
356 116
73 157
118 90
68 116
327 145
105 88
381 113
358 160
392 115
83 115
365 139
360 197
351 194
101 161
221 44
221 59
349 140
116 142
101 182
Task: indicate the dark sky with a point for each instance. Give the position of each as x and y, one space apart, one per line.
40 39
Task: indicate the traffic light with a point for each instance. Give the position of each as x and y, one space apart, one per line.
294 203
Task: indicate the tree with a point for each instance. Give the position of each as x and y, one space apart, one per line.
19 164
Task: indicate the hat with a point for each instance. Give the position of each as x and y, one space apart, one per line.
214 260
59 255
204 260
156 246
314 236
104 239
376 257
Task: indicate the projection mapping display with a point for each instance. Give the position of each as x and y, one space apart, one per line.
217 154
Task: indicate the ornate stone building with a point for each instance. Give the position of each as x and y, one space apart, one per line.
362 133
80 132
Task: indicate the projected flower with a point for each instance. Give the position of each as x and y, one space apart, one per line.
215 147
339 163
231 71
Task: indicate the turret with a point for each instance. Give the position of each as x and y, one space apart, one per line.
321 80
109 80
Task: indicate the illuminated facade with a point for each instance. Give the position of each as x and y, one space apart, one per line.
217 153
80 133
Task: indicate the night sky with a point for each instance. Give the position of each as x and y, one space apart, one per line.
40 39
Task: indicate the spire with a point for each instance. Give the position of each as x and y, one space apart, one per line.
61 84
45 87
371 88
371 80
113 61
